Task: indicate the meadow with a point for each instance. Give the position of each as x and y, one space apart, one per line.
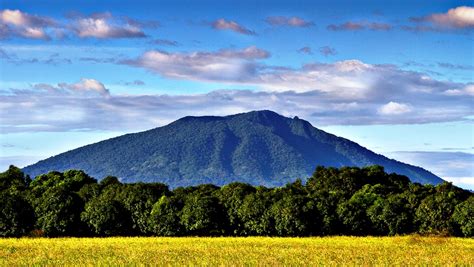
239 251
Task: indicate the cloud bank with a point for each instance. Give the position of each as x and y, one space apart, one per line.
87 105
347 79
15 23
452 166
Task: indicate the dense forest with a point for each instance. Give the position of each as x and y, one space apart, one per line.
345 201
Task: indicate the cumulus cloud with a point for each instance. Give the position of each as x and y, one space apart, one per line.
327 51
223 24
222 65
85 87
288 21
394 108
20 24
103 25
356 26
459 17
347 79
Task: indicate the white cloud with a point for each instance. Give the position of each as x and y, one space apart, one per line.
102 27
223 65
456 167
387 87
82 106
394 108
85 87
465 182
14 17
467 90
459 17
17 23
34 33
223 24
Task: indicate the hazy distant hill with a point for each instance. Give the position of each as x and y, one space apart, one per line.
259 147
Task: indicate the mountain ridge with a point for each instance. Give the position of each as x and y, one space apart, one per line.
258 147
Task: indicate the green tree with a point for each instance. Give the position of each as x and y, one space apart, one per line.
391 215
435 211
138 199
291 215
105 217
13 179
165 217
463 217
89 191
255 213
58 213
232 197
203 215
16 215
353 212
71 180
109 180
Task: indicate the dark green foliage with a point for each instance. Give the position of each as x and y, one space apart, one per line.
353 213
435 211
326 216
106 217
58 212
463 217
259 148
138 200
255 213
13 179
16 215
292 215
391 216
89 191
203 215
71 180
165 217
349 200
109 180
232 196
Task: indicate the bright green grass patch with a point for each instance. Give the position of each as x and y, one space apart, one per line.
411 250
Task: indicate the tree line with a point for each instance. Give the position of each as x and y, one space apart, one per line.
344 201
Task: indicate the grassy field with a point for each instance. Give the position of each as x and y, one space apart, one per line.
412 250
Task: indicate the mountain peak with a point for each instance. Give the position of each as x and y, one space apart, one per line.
258 147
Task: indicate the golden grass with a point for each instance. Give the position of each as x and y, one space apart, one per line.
226 251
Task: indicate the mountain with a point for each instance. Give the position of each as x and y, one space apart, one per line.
259 147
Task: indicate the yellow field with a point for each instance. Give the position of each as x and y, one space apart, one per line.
412 250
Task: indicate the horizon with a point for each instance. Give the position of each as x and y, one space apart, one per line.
394 77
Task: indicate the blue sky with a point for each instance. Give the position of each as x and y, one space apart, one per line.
394 76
